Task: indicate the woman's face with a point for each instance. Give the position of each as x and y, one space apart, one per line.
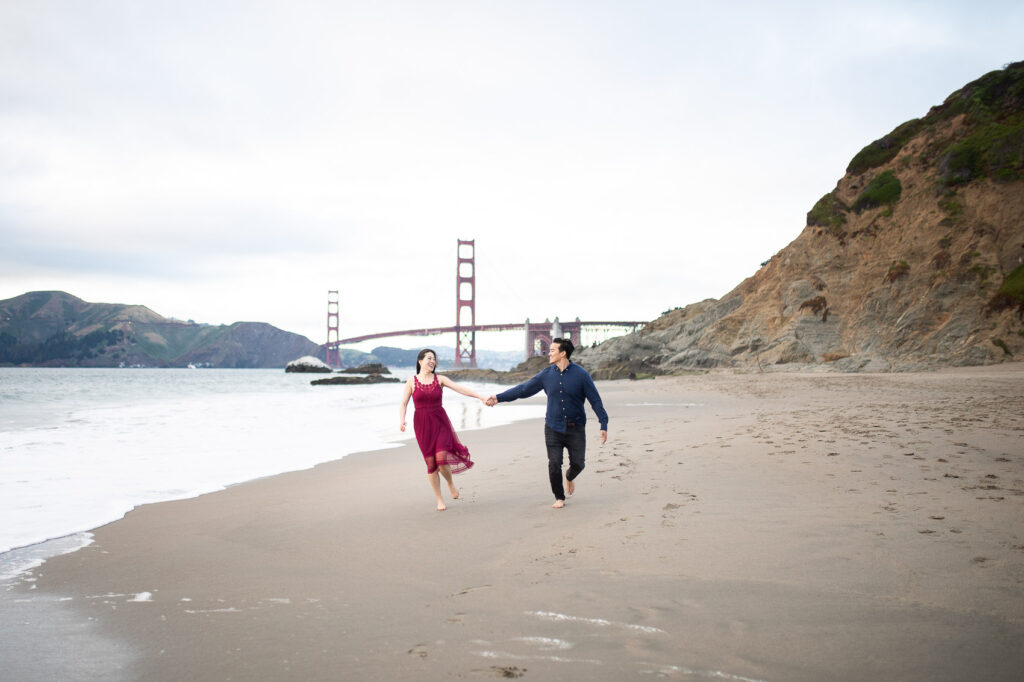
429 362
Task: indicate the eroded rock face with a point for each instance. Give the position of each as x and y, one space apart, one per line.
918 276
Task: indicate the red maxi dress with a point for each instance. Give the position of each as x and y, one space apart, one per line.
434 432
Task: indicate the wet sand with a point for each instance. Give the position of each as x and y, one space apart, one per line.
735 526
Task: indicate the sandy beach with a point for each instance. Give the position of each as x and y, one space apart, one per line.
735 526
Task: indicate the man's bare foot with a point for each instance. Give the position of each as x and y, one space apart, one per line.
440 506
570 486
558 504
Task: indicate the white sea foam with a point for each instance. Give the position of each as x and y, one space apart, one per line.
25 559
80 448
689 672
519 657
228 609
600 622
546 643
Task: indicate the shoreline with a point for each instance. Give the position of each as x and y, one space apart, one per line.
772 527
84 465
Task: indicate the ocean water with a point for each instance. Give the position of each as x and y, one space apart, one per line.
79 448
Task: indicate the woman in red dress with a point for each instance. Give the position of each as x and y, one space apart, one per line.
442 451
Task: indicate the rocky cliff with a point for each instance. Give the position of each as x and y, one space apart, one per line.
913 261
53 328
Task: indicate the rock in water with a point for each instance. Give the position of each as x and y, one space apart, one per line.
345 380
307 363
371 368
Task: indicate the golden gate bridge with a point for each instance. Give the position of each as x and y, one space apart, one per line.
537 335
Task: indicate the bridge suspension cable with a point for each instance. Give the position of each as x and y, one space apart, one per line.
538 335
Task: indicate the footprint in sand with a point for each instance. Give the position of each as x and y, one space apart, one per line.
419 650
467 590
508 672
667 519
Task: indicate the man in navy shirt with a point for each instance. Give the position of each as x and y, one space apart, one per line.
566 385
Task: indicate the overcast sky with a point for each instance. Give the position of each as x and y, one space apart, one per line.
226 161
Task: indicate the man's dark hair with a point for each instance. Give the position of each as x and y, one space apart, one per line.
566 345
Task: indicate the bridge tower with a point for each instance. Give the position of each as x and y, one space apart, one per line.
465 304
332 357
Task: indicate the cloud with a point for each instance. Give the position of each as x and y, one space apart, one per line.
236 160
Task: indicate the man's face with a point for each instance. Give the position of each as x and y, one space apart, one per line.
555 354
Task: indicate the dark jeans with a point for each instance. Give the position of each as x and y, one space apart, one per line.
575 441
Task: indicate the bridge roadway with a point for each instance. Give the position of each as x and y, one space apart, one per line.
434 331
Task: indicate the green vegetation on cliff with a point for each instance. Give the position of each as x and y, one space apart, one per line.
993 145
1011 292
829 212
995 150
987 97
885 149
883 190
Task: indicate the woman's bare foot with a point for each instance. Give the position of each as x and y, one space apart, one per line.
570 486
558 504
440 506
454 491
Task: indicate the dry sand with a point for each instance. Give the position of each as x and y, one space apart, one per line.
738 527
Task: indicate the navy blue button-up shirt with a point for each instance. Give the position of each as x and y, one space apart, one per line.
566 391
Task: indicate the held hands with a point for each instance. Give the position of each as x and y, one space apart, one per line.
492 401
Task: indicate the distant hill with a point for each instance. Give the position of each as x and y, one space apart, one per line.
915 260
56 329
53 328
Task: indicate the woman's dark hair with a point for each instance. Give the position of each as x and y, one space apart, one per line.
423 354
565 345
